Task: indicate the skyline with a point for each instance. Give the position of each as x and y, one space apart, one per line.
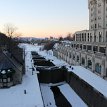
38 18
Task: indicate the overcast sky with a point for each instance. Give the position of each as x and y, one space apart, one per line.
44 18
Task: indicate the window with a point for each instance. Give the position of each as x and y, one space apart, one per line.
89 47
94 38
83 61
89 64
85 37
84 46
106 36
77 46
77 58
73 57
90 38
81 46
4 80
95 48
102 49
100 36
8 79
0 80
95 26
80 37
98 68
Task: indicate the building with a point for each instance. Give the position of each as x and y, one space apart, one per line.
10 73
89 49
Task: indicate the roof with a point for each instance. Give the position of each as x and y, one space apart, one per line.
5 63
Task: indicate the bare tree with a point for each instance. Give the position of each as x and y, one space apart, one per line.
68 37
9 29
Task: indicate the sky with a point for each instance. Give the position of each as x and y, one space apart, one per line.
44 18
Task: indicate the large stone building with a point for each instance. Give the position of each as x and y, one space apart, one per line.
89 49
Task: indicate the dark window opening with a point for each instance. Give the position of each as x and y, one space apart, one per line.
102 49
73 57
81 46
89 47
90 64
83 61
84 46
100 38
98 68
95 26
77 58
90 38
95 48
94 38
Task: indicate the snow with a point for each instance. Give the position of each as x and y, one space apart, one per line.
71 96
15 96
95 81
3 72
48 96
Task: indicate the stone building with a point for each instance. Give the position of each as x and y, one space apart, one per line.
10 73
89 49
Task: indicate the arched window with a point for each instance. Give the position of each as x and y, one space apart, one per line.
94 38
77 58
90 38
73 57
100 38
98 68
89 64
83 61
106 36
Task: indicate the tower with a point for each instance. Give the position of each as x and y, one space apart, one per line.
98 18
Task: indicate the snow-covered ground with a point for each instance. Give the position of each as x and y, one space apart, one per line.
15 97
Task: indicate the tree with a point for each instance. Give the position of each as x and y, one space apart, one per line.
60 38
9 29
68 37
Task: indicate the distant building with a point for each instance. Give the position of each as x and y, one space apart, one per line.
90 46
